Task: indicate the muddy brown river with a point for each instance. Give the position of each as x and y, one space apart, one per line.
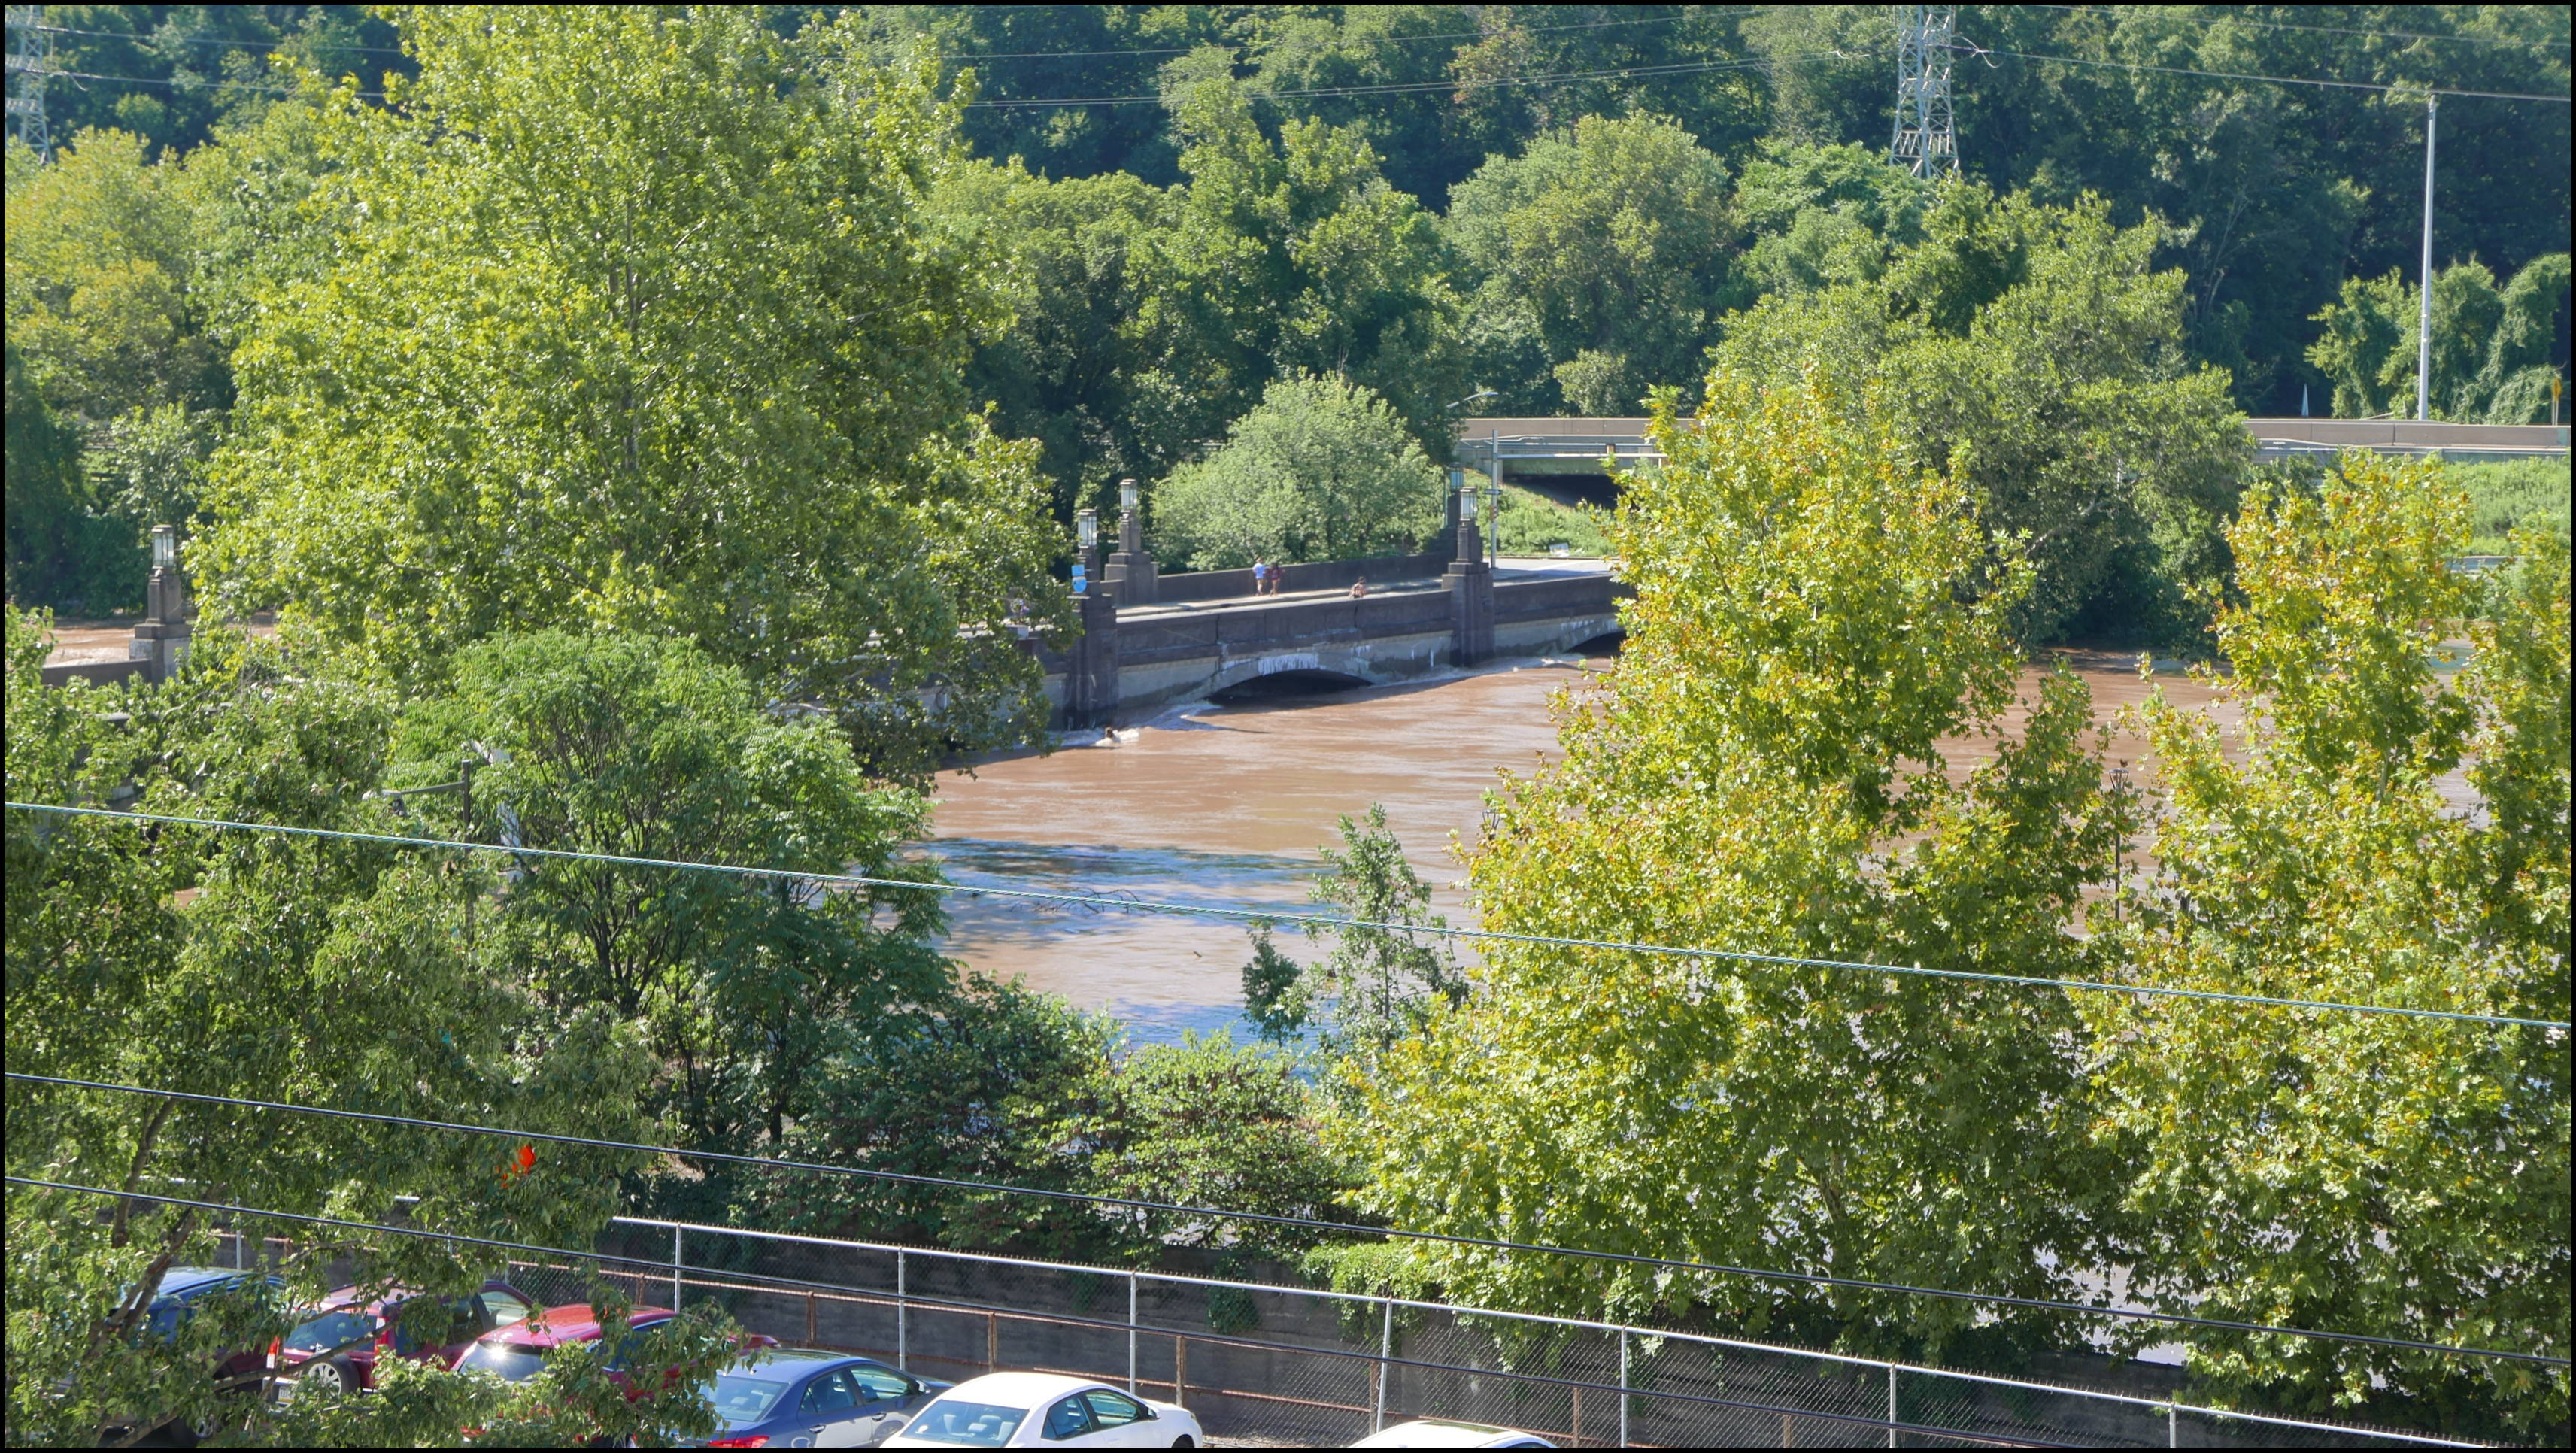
1229 805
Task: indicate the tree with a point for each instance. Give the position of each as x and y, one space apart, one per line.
2036 352
637 319
1614 238
644 747
1274 259
1814 614
2492 347
1322 470
1815 215
2400 1177
1378 984
310 970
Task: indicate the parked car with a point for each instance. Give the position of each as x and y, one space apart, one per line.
183 1289
518 1352
1447 1433
334 1350
797 1398
1041 1409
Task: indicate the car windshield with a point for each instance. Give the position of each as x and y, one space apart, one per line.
508 1363
745 1399
331 1329
970 1425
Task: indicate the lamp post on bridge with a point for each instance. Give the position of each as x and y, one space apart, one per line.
1469 581
1091 673
161 641
1131 570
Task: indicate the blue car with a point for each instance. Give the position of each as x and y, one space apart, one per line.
788 1397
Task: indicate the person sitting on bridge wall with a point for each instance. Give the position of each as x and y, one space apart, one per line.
1359 587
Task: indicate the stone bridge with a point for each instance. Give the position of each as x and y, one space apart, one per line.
1152 641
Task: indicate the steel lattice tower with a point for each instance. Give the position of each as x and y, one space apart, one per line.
31 57
1925 145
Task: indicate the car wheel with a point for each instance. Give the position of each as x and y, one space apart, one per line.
1185 1441
327 1379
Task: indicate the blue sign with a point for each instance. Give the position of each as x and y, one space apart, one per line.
1078 581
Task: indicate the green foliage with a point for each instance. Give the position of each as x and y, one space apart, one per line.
2493 348
638 319
1813 615
301 969
2423 1165
645 747
1378 984
1530 523
2037 353
2509 496
1322 470
1825 214
999 1084
1610 242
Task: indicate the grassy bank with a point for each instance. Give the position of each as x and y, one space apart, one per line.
2505 496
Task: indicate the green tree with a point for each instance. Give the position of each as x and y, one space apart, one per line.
2492 346
638 318
1815 215
1614 239
645 747
2038 353
2399 1177
1376 985
1275 258
1762 773
311 970
1322 470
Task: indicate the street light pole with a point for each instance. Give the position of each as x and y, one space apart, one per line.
2424 309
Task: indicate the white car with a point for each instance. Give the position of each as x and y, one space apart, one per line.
1444 1433
1044 1410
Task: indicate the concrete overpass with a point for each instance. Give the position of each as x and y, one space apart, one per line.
1578 446
1151 641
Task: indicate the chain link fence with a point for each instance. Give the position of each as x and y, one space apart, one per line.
1289 1365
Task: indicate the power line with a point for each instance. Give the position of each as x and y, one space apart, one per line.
1391 88
1303 1222
1075 1319
155 42
2163 12
1343 39
1974 49
1303 920
193 81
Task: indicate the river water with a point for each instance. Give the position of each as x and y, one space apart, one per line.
1229 805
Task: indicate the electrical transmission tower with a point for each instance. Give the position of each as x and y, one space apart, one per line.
1925 145
31 58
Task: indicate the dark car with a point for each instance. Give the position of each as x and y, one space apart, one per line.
184 1288
794 1398
335 1349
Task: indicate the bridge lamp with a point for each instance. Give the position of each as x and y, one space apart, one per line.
1467 501
1086 528
1127 494
165 547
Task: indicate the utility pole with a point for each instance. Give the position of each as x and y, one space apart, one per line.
2424 311
31 59
1924 145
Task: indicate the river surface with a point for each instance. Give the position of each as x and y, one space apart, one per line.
1229 806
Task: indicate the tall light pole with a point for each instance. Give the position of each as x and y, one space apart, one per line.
2424 309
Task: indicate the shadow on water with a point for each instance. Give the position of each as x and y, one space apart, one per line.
1286 688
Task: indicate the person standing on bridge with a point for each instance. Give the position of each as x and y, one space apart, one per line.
1260 577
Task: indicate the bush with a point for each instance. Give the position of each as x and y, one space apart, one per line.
1322 470
2508 496
1530 522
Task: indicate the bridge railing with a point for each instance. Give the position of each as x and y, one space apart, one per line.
1320 575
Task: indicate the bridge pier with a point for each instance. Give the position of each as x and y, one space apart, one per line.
1470 583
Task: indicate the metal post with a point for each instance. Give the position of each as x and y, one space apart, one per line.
2173 1434
1385 1354
675 1268
1891 1405
1623 1387
1131 1331
2424 310
466 772
901 1353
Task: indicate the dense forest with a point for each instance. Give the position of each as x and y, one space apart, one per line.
1167 209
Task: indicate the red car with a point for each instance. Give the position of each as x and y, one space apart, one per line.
517 1353
334 1350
